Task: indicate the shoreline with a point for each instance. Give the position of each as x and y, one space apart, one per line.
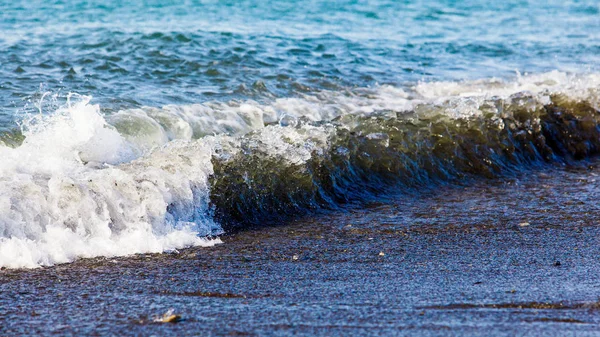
502 257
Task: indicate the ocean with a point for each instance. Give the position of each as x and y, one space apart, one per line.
159 127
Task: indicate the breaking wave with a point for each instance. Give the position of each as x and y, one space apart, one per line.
80 183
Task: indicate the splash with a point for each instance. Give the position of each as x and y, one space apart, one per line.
63 196
83 184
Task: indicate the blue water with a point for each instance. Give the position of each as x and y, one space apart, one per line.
130 127
129 54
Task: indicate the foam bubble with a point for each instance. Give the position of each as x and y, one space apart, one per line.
62 196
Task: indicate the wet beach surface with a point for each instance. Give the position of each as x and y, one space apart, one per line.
517 256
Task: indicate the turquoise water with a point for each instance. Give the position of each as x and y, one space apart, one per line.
130 127
128 53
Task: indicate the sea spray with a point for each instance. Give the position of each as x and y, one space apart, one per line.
61 197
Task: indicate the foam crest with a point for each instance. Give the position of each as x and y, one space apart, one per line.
577 85
62 196
148 127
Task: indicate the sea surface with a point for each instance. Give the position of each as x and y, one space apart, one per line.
133 127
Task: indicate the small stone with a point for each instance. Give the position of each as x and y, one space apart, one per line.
168 317
171 319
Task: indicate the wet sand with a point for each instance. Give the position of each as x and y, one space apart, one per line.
518 256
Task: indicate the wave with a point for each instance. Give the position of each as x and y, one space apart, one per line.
76 188
84 184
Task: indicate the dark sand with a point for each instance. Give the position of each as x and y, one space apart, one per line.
452 261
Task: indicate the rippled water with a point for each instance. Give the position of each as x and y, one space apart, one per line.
128 54
132 127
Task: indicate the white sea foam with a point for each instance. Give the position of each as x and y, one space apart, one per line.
62 197
149 126
463 99
84 185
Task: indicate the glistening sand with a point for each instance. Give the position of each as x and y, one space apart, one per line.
457 260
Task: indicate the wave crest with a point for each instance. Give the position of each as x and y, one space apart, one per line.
149 180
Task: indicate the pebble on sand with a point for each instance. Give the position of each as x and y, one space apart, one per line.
168 317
